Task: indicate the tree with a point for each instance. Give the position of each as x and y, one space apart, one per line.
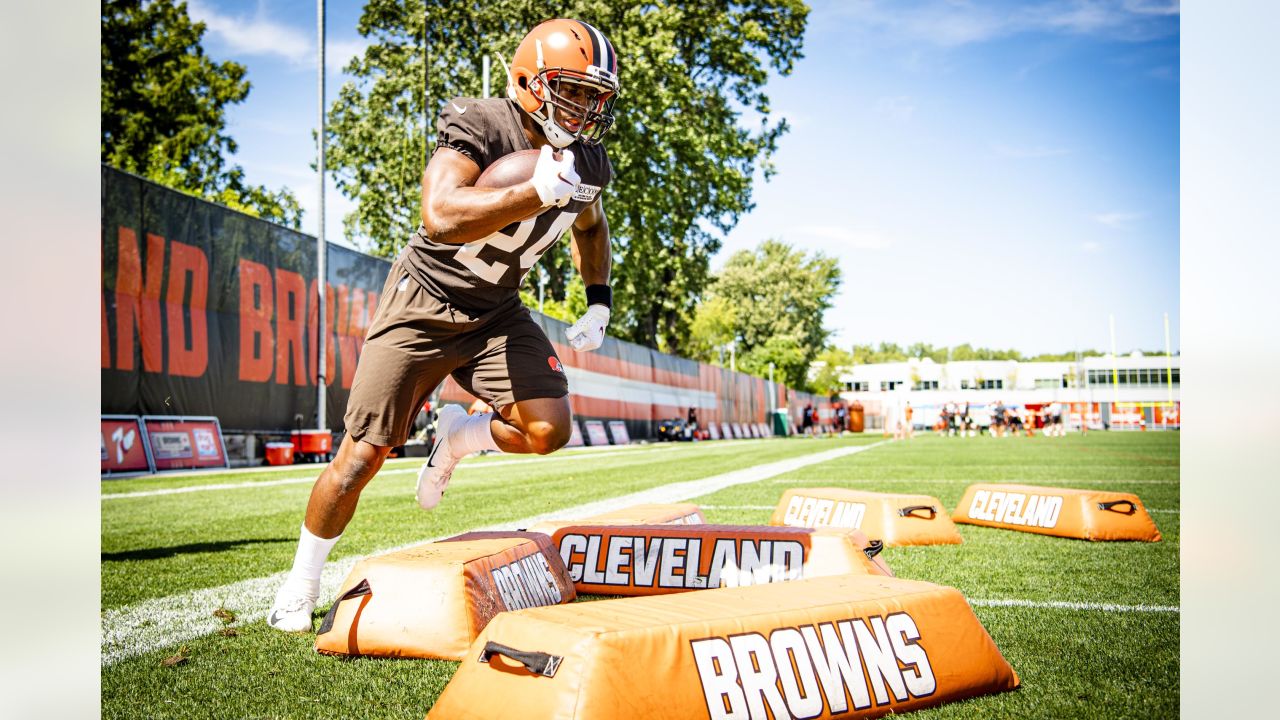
164 108
778 296
870 354
683 158
830 365
891 352
714 325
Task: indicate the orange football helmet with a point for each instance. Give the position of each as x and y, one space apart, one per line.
565 75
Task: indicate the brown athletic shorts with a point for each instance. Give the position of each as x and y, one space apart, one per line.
417 339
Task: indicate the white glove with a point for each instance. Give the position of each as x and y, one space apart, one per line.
555 180
588 333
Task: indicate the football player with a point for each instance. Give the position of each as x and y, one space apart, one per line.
451 303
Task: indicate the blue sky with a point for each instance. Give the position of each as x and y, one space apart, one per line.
1000 173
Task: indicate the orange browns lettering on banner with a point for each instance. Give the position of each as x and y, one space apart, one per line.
257 336
290 315
839 646
352 323
185 303
106 334
138 301
313 326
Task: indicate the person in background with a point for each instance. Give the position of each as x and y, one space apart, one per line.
1055 428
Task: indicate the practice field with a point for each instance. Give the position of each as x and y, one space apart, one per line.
1091 628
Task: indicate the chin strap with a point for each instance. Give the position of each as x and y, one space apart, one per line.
555 134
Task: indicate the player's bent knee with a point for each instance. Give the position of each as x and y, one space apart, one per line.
350 471
546 438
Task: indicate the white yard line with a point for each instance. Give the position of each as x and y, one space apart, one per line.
814 482
1058 605
311 477
775 507
161 622
585 449
222 486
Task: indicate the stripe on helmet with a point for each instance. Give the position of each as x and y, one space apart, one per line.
595 43
604 56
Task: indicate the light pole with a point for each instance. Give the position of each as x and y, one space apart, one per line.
321 255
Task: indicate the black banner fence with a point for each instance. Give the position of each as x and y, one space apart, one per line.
208 311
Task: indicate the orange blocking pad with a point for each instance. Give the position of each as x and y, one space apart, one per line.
659 559
431 600
1063 512
846 646
646 514
895 519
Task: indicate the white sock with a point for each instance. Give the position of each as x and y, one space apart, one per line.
472 436
308 562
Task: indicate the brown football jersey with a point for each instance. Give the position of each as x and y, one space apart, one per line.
486 273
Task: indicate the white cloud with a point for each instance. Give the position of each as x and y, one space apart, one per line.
339 52
1118 220
1028 152
843 238
1091 246
256 34
260 35
899 108
794 119
953 23
1153 7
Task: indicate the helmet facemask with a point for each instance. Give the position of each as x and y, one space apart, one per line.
574 106
565 76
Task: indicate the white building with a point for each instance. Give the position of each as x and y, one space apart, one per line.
1130 390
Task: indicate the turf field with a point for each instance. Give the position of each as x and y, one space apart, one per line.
1091 628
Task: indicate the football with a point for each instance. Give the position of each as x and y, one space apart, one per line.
509 170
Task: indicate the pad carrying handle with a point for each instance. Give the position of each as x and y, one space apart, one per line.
910 511
1112 506
538 663
360 589
873 548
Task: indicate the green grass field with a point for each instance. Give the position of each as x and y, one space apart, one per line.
1096 634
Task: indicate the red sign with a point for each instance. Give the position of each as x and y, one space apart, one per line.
618 430
1084 414
575 436
1126 416
1169 415
595 433
124 445
179 442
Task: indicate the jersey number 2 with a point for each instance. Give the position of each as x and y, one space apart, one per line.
469 254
